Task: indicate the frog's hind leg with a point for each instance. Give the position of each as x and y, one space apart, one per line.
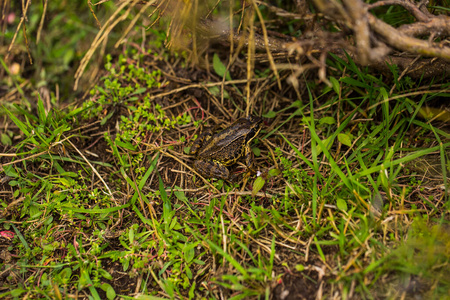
211 169
203 138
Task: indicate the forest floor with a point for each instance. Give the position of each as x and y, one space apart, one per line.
347 197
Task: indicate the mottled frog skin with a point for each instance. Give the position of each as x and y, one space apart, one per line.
214 152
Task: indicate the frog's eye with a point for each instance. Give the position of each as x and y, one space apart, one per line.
254 119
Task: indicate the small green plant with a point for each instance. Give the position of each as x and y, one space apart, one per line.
128 88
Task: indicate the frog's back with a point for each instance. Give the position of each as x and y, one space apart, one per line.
224 149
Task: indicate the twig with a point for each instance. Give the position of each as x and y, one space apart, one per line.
439 26
21 23
41 24
31 156
266 44
403 42
407 95
187 166
414 10
93 169
101 36
201 85
355 17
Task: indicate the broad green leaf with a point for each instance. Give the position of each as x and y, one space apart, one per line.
180 195
17 292
341 204
125 145
327 120
215 90
63 181
189 252
174 223
256 151
300 267
274 172
105 274
131 235
220 68
65 275
271 114
345 139
125 264
6 140
328 142
110 293
139 91
191 291
257 185
307 119
11 172
335 84
83 281
108 116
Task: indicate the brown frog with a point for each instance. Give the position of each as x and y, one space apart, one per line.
214 152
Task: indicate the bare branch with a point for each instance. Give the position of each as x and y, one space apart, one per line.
358 14
355 17
403 42
439 26
413 9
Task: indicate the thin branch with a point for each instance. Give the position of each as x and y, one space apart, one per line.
403 42
439 26
409 6
93 168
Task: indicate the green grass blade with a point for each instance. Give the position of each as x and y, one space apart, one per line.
402 160
228 257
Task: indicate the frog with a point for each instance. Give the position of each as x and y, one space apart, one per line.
216 151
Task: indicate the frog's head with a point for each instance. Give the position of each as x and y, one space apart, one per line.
254 124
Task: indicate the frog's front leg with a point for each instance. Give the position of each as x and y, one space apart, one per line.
211 169
248 157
